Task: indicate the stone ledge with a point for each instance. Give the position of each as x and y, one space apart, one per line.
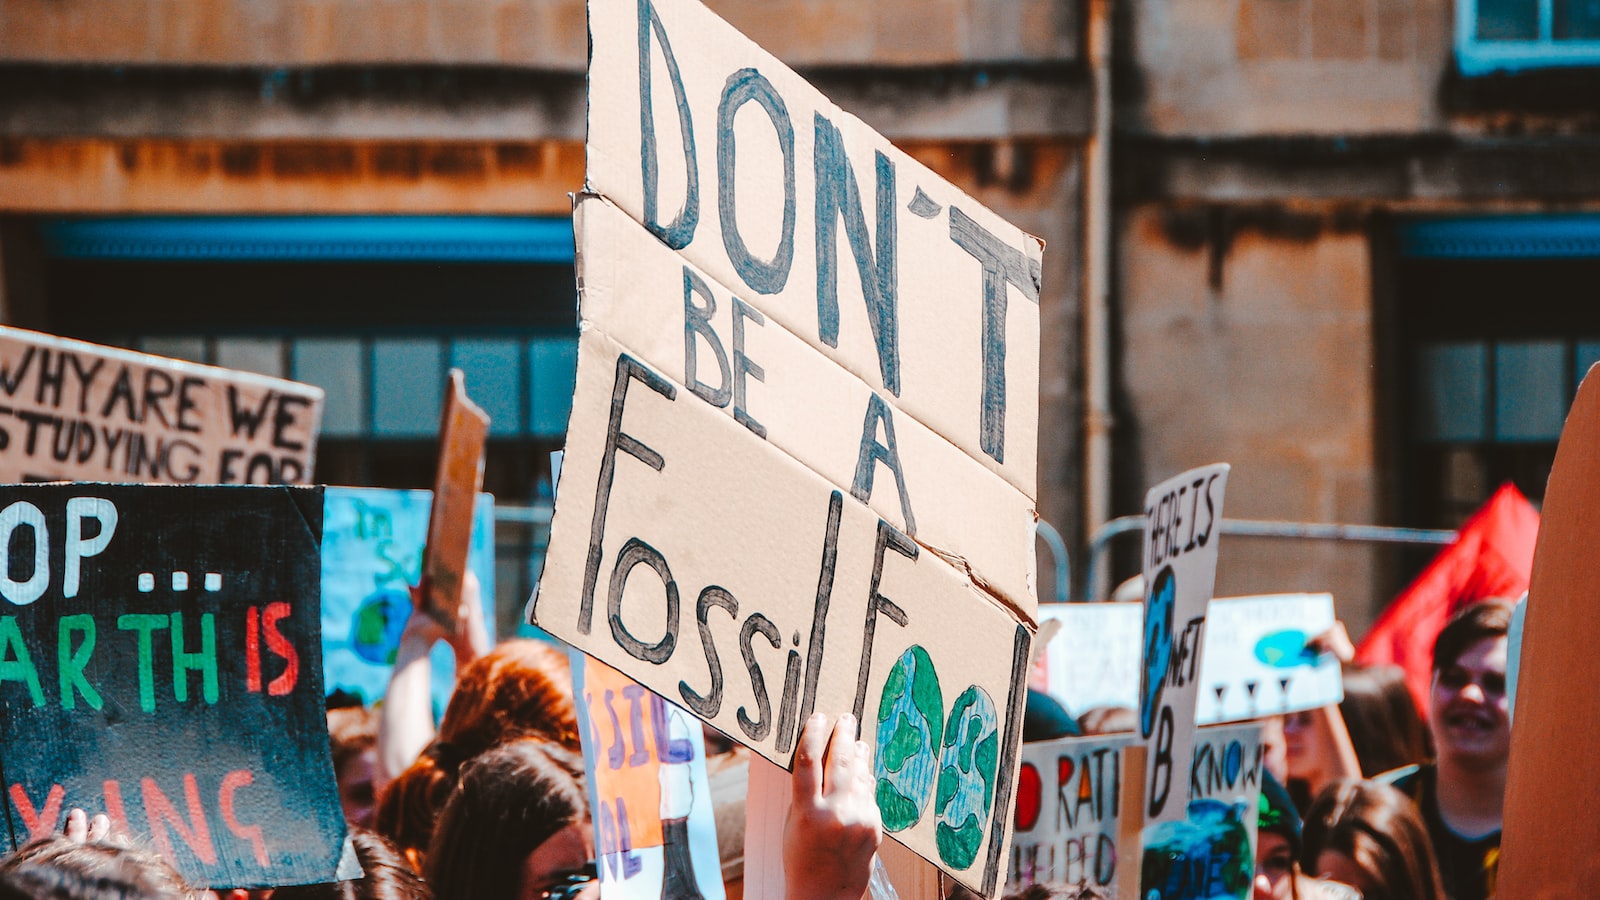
491 103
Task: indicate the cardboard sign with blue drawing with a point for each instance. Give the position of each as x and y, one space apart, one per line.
645 765
1210 853
372 543
1256 661
1179 563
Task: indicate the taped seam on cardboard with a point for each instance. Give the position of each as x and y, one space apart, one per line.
1024 607
961 569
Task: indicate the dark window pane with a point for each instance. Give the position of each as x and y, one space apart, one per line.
493 369
1452 391
407 388
553 368
1588 353
184 347
264 356
337 366
1575 20
1508 20
1530 390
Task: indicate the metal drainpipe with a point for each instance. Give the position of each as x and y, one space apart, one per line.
1097 422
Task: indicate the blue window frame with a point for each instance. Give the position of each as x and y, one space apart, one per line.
1517 35
383 374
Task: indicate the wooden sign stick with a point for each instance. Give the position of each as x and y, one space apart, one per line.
463 431
1555 745
1130 821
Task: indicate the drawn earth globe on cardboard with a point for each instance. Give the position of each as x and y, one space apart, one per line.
910 722
375 630
967 767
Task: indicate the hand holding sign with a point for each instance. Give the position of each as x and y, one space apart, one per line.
833 827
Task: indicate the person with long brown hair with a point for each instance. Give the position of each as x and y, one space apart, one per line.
1371 837
523 689
1385 726
516 825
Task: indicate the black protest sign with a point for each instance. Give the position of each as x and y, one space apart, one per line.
160 661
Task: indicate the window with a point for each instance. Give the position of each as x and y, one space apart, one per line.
1514 35
1496 326
375 311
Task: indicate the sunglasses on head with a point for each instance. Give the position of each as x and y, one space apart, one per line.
569 885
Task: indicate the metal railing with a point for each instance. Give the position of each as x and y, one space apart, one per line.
522 533
1261 528
1058 555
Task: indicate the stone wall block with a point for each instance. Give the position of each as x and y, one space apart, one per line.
1272 29
1339 29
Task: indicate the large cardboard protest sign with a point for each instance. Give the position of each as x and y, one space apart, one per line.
783 483
160 662
1549 805
645 760
372 548
804 600
1179 562
677 320
74 411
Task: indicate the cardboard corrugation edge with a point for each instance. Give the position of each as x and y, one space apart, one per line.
959 562
1021 612
955 562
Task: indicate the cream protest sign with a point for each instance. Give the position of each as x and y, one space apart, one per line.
75 411
800 464
1069 803
1179 563
1068 796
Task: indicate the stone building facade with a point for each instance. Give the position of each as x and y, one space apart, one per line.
1350 237
224 114
1353 255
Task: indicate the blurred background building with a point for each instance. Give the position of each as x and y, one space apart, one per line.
1343 243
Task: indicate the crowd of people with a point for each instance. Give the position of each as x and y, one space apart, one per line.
1388 803
1366 799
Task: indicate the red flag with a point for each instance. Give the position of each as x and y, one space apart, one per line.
1492 557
